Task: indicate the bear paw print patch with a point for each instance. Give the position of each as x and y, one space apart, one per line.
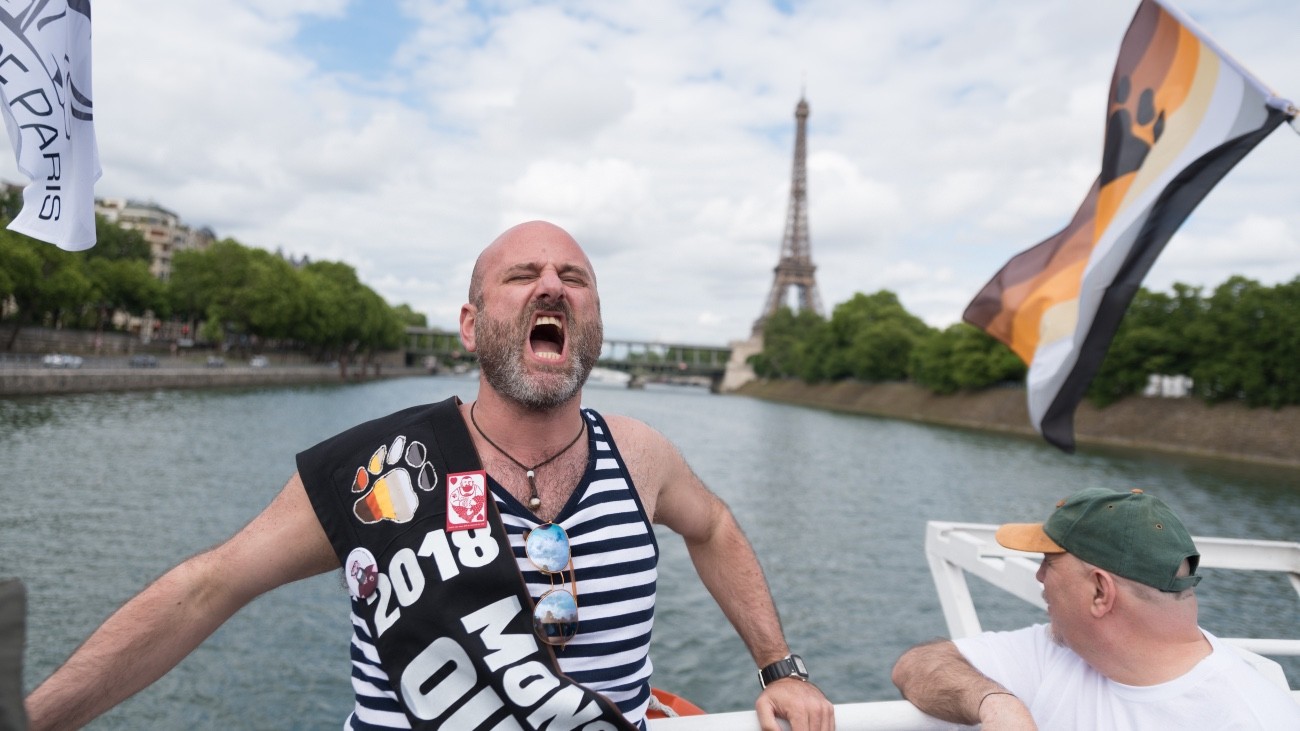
390 480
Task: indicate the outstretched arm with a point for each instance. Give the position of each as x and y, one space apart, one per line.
162 624
939 680
727 566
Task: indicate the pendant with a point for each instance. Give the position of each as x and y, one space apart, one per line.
534 502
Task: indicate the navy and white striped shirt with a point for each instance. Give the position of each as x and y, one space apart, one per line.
615 559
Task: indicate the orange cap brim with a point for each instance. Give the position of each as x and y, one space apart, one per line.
1026 537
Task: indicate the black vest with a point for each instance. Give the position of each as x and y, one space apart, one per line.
405 505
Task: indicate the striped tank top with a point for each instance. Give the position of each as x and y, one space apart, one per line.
615 559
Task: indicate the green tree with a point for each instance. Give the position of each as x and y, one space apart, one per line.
11 202
20 273
787 339
249 291
409 317
1249 345
872 338
127 285
323 326
381 326
208 279
47 283
117 243
1153 338
963 357
345 316
271 300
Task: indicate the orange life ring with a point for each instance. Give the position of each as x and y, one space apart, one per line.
671 705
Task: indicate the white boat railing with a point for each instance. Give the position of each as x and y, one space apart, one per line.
955 549
878 716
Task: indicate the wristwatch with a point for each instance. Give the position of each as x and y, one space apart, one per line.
790 666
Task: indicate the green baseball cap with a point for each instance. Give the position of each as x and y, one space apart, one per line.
1131 534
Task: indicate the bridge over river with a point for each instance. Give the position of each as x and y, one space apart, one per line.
644 361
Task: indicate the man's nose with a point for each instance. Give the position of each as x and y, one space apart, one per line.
549 285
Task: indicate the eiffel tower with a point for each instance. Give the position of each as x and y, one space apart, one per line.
795 269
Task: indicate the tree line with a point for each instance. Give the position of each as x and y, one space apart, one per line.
232 292
1239 342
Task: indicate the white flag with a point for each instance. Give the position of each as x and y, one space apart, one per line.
49 112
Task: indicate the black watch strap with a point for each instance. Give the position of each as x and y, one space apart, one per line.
790 666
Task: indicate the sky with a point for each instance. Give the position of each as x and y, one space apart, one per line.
401 137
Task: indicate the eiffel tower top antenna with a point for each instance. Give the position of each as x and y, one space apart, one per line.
795 267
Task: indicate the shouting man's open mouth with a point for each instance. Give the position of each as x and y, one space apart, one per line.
546 339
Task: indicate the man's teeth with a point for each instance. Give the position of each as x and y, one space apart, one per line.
548 356
547 320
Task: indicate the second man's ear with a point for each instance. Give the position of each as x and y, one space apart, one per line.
1104 588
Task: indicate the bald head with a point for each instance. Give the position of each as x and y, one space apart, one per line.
526 240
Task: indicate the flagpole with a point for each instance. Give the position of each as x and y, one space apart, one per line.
1271 99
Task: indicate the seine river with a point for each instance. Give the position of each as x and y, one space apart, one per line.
106 491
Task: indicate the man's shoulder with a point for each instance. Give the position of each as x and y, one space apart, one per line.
1033 632
1247 666
628 431
1034 640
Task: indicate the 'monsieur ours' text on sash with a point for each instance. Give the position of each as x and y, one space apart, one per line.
448 610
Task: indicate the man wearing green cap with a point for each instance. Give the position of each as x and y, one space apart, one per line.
1123 649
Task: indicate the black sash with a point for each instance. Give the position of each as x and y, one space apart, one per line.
449 612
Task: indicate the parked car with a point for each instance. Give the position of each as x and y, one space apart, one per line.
61 360
258 361
143 360
216 361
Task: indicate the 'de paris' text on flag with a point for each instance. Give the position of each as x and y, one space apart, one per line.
48 111
1181 114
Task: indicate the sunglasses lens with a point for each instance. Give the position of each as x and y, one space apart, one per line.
556 617
548 547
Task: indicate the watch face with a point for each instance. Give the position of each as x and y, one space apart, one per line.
798 663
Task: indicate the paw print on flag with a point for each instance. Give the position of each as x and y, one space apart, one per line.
1134 124
392 495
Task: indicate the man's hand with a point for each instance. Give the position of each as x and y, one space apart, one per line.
1005 712
797 701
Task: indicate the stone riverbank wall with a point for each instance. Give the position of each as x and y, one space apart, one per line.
1179 425
31 381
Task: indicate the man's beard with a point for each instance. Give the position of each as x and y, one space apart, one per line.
500 345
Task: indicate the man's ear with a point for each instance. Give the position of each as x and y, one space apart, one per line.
1104 592
468 313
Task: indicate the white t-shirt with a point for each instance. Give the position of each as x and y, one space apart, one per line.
1223 691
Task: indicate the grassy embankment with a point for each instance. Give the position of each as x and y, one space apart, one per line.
1182 425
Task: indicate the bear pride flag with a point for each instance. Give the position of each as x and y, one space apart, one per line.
1181 114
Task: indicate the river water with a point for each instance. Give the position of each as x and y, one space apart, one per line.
106 491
